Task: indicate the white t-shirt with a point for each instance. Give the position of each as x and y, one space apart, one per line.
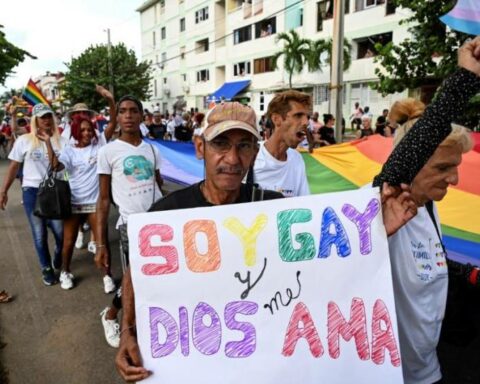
288 177
132 169
81 165
35 160
420 283
144 130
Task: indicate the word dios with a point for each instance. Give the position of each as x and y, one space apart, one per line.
210 260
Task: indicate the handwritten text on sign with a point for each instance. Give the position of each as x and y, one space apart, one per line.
282 291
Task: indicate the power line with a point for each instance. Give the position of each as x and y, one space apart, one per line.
228 34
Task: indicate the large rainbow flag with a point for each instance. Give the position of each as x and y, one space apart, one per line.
33 95
352 165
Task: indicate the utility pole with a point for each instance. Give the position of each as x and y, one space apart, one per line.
336 87
109 58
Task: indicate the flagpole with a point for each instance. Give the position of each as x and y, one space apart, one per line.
336 85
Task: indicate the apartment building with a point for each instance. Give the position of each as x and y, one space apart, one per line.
222 49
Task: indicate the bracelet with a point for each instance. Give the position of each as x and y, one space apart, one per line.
100 245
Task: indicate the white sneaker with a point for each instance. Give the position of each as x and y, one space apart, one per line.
108 284
92 247
111 329
66 280
79 244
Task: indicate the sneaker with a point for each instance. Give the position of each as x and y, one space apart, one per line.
108 284
48 276
92 247
66 280
111 329
79 244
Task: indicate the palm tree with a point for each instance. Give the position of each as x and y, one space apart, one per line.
320 47
295 52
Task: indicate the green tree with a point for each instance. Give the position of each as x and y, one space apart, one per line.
295 52
425 58
10 57
320 47
92 67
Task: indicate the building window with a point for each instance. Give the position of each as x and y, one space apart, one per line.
363 4
242 34
321 94
366 45
164 33
201 15
155 89
324 12
262 65
164 58
390 7
164 80
182 24
262 101
203 75
301 17
182 53
154 39
201 46
184 77
265 27
242 69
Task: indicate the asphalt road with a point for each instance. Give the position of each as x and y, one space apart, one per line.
52 336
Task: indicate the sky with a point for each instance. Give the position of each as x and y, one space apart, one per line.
56 30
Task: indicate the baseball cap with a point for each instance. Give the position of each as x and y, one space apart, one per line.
40 110
227 116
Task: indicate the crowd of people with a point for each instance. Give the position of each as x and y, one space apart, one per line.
246 161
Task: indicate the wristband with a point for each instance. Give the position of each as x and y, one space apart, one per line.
100 245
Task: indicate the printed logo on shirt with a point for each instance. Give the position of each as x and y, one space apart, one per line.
428 266
283 191
137 168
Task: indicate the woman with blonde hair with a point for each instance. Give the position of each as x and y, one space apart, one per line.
32 152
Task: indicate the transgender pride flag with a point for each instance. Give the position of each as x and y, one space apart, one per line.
464 17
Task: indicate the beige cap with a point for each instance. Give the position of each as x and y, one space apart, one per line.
230 115
81 107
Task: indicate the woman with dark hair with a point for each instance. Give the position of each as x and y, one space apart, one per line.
80 161
327 133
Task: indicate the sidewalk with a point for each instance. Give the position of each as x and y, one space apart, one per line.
51 335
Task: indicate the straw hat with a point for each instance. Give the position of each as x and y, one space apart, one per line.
81 107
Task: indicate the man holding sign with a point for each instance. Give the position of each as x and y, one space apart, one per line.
228 147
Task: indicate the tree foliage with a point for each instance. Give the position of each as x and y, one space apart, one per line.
427 57
10 57
299 53
320 47
295 52
92 67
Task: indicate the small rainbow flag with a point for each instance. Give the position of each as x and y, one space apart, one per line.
32 94
464 17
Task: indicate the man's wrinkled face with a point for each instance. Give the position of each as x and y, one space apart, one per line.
441 170
228 158
292 127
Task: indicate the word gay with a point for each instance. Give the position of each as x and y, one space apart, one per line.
210 260
207 336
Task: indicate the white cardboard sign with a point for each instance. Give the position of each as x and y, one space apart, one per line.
295 290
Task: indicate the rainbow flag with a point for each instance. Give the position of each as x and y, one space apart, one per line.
32 94
352 165
464 17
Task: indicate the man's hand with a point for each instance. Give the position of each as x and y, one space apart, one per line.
469 55
105 93
398 207
101 258
128 360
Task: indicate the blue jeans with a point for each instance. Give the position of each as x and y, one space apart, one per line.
39 230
